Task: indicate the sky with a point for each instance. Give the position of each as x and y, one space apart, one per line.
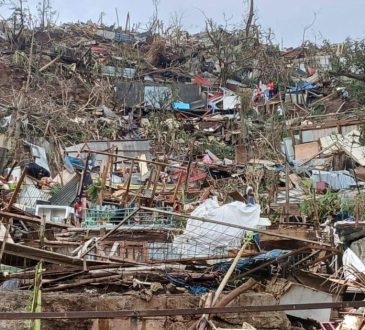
335 20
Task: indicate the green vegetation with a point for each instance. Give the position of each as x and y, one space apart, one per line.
332 203
93 190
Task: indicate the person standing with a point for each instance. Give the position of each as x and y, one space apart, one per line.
271 87
78 211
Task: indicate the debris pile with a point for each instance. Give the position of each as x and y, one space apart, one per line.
133 163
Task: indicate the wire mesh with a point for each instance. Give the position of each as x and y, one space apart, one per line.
182 240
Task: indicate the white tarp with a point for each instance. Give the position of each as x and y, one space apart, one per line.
352 263
202 238
236 213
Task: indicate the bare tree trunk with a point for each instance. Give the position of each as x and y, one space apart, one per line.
245 104
43 13
250 17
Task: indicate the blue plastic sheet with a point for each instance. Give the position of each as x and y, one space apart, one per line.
75 162
250 262
302 86
195 289
181 106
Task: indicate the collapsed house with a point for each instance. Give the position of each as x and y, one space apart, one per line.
130 169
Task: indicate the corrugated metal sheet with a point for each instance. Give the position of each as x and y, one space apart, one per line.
349 144
30 195
112 71
347 129
231 102
66 177
157 96
40 156
124 37
130 93
189 93
357 153
133 93
129 148
287 148
335 179
316 134
68 193
329 140
110 35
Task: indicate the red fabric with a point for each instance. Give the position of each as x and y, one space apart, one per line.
199 80
78 208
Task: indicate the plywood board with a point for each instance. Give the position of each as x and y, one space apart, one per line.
306 150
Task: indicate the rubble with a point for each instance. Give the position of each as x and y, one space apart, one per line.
138 172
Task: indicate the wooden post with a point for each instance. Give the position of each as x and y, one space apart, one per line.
16 191
287 201
155 183
83 175
190 155
104 176
83 208
245 103
177 187
111 170
116 159
5 238
228 274
42 230
11 171
128 184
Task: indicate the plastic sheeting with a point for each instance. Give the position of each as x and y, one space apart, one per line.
250 262
302 86
236 213
204 238
351 262
335 179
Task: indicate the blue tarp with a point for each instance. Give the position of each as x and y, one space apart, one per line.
181 106
195 289
242 265
249 262
302 86
75 162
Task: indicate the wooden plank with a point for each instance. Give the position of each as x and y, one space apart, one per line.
32 253
306 150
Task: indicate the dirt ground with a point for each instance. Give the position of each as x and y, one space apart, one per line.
89 301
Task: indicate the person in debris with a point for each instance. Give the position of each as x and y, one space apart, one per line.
271 88
250 196
212 107
345 95
258 95
78 210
